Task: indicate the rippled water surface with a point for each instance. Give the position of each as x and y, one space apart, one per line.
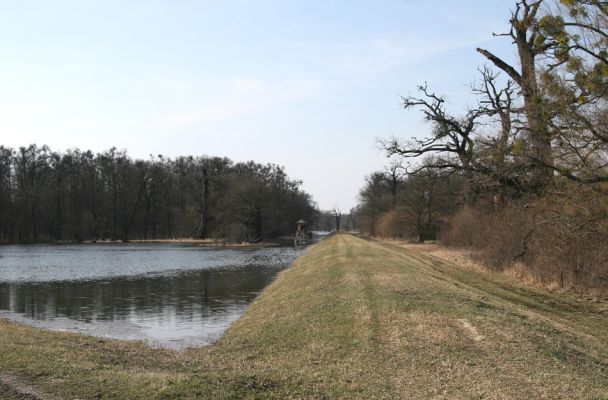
168 295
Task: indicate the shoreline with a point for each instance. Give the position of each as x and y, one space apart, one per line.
210 243
199 242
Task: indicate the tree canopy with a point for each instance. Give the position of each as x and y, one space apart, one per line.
79 195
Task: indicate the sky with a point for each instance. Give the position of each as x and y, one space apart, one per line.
307 84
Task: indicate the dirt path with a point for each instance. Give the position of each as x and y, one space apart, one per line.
12 389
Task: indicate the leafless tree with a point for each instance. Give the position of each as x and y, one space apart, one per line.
394 174
452 135
337 213
531 44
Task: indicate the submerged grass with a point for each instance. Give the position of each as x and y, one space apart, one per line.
351 319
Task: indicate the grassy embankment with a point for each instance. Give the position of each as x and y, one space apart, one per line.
351 319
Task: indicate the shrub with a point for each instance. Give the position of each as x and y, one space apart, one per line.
558 243
391 225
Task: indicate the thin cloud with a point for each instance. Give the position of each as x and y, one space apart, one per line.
382 55
241 96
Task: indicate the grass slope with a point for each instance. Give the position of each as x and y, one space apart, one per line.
351 319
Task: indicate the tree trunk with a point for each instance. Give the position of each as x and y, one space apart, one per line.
539 135
204 217
524 31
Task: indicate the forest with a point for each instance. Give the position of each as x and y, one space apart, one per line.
520 177
48 196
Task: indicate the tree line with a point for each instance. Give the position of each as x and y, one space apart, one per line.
521 175
83 196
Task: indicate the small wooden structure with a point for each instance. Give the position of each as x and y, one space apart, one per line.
301 234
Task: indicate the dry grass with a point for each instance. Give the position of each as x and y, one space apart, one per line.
351 319
552 243
470 260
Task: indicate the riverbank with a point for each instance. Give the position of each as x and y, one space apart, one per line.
351 319
218 243
195 242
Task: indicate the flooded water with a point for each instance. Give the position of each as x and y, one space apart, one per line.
167 295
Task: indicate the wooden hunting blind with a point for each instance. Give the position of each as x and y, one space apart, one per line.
301 236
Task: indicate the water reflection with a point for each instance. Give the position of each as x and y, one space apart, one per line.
173 307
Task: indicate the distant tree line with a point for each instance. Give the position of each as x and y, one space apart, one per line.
336 220
394 203
80 195
521 175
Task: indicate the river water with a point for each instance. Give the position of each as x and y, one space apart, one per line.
165 294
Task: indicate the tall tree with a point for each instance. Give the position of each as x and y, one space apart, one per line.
375 200
531 44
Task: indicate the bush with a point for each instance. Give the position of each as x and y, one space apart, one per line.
501 236
558 244
390 225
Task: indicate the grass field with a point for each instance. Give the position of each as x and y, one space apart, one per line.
351 319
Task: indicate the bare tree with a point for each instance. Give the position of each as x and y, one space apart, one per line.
337 213
374 200
394 174
452 135
531 44
498 101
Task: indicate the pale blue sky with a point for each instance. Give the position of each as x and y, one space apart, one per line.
306 84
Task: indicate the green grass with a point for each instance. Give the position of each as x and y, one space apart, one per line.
351 319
